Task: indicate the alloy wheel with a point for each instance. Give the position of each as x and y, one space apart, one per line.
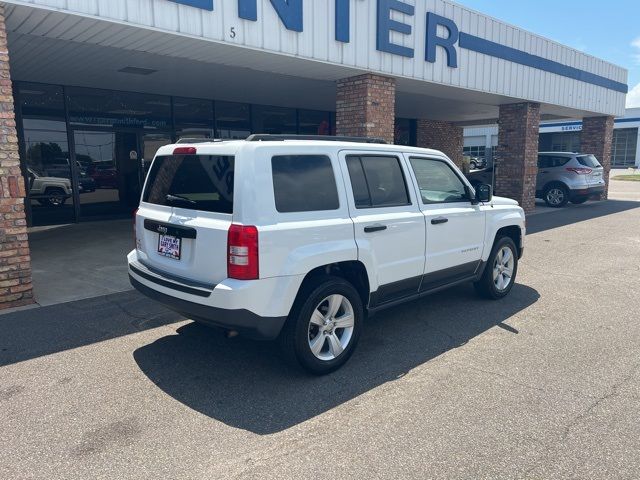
331 327
555 196
56 199
503 268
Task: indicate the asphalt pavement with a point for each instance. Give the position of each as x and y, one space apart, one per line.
543 384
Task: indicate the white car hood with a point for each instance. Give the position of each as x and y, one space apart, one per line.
503 201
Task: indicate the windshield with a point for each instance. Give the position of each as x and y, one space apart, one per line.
198 182
588 161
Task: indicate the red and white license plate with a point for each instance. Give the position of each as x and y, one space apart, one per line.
169 246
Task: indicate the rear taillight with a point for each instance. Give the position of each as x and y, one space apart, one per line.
242 252
579 171
185 151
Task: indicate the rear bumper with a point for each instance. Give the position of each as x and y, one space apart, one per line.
243 321
587 192
256 308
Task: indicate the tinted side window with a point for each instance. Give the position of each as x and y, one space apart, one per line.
558 161
384 180
543 161
438 183
358 182
588 161
304 183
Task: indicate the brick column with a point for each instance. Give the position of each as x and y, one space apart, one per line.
365 107
15 260
517 153
443 136
596 138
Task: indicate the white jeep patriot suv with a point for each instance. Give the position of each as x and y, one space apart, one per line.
298 238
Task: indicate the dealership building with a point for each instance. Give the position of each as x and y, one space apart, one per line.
564 136
90 89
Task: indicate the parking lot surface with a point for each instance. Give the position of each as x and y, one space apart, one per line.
544 384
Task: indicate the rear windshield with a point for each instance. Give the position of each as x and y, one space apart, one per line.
589 161
198 182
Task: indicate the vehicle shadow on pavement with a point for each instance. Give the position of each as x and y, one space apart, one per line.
42 331
245 384
577 213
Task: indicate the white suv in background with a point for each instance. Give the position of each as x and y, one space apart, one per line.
298 239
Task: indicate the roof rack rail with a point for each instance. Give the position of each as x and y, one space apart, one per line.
189 140
265 137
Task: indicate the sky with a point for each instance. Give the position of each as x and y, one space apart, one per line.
608 30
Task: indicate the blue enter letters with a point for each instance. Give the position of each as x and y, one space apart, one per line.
289 11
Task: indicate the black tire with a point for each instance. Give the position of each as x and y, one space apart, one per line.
556 195
296 335
486 286
56 197
579 200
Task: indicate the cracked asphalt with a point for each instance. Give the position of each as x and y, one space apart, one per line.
544 384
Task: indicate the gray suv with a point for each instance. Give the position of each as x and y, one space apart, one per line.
568 177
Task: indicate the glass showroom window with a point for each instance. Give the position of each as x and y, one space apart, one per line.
46 154
405 132
624 146
477 152
565 142
233 120
274 120
107 108
193 118
314 122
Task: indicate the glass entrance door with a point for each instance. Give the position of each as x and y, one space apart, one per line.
111 171
108 172
151 142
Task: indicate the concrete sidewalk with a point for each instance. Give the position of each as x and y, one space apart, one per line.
78 261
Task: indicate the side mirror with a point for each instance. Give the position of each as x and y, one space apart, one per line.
484 193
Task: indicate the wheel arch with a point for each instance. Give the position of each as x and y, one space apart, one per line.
353 271
551 183
509 223
60 188
514 233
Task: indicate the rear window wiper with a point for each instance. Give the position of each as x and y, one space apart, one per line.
179 198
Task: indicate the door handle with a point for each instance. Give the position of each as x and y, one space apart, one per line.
439 220
374 228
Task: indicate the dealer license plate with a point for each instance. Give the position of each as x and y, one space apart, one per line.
169 246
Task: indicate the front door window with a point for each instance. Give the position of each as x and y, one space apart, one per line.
455 226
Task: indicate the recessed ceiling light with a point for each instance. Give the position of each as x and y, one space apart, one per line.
137 70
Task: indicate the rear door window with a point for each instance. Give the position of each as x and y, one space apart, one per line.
588 161
377 181
198 182
304 183
552 161
557 161
543 161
